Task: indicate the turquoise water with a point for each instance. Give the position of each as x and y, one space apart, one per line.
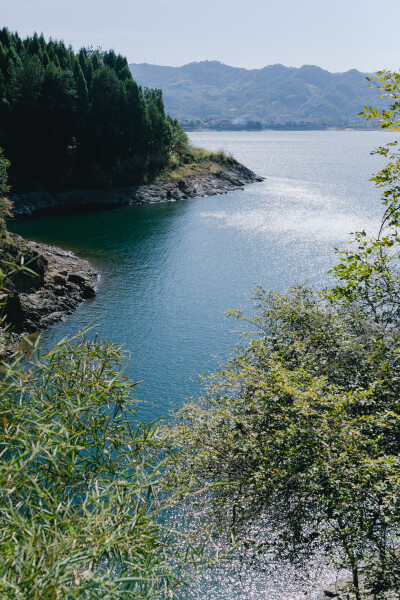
169 270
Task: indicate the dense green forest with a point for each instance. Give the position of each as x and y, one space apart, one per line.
210 91
78 119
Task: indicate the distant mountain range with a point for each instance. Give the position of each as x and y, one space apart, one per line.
214 93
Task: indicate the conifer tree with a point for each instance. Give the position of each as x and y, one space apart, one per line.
71 119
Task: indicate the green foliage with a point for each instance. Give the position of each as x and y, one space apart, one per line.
179 139
302 427
70 120
160 140
368 274
80 504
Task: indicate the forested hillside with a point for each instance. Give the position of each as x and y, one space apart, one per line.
275 94
77 120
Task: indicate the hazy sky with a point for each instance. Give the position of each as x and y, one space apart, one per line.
334 34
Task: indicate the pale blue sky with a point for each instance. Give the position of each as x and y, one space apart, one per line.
334 34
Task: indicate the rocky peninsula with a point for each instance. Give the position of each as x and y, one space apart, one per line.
207 183
62 281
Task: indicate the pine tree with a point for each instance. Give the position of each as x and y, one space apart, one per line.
69 119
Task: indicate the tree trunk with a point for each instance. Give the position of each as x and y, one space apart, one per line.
356 585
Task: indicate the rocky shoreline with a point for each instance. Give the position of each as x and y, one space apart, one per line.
61 282
206 184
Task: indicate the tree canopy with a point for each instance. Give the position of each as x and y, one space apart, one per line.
77 119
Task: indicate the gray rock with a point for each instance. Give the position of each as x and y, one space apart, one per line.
206 184
62 282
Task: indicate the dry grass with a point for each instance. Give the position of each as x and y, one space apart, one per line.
196 162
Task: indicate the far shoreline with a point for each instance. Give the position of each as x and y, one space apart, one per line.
291 129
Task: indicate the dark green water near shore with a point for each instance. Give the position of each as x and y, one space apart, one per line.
169 270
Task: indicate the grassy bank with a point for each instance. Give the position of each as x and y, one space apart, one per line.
197 161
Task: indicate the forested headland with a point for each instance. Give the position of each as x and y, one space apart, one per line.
75 126
70 120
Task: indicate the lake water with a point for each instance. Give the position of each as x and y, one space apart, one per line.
168 271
